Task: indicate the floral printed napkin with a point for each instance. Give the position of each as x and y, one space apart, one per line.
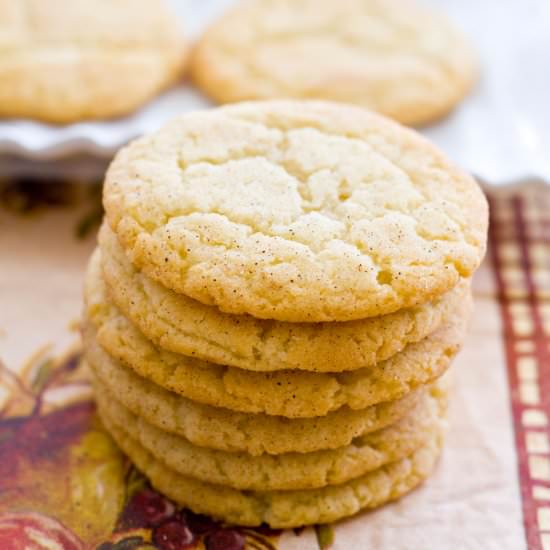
63 482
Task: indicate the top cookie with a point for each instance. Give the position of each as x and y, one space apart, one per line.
66 60
296 211
389 55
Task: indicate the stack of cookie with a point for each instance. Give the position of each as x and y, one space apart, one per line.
63 61
278 289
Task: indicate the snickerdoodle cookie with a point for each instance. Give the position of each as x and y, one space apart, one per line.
296 211
63 61
392 56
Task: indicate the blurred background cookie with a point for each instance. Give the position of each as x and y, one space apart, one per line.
388 55
68 60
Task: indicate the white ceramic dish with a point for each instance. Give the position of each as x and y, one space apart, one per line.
501 132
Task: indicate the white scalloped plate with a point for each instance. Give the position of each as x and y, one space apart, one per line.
38 141
501 132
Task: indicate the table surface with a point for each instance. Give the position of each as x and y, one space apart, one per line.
491 484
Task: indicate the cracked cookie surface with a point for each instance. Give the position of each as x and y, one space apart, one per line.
296 211
388 55
66 60
180 324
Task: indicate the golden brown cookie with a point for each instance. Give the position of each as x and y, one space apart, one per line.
392 56
285 508
296 211
293 394
283 471
66 60
183 325
226 430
